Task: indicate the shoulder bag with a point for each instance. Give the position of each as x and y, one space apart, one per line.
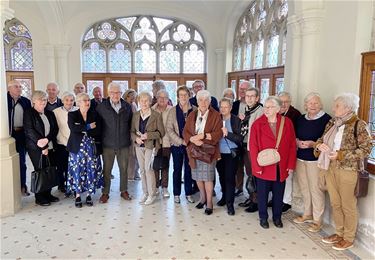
361 188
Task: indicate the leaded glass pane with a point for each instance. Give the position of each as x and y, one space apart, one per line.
144 31
247 63
233 84
165 37
237 61
26 85
181 35
272 51
252 82
264 89
94 59
283 55
124 36
127 22
162 23
283 11
259 54
124 85
119 59
145 60
189 83
198 37
193 60
20 30
279 85
171 87
106 32
89 35
21 57
91 84
169 60
144 85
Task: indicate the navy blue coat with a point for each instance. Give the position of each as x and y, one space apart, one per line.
25 104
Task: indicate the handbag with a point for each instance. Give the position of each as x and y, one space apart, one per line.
44 178
203 152
361 187
233 151
160 162
271 156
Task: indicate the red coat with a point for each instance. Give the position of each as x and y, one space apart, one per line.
261 137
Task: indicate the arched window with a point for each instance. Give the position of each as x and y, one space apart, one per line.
136 50
18 55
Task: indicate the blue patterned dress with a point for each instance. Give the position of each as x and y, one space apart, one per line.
85 168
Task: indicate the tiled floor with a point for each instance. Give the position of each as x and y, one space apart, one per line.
164 230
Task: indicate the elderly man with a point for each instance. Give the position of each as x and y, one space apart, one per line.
156 86
17 104
53 101
116 115
197 86
240 104
79 88
97 92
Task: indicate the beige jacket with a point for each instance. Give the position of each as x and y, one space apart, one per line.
164 115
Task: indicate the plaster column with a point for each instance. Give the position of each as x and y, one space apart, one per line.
10 201
220 73
49 51
62 52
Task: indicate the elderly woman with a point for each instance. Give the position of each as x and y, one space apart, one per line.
147 129
175 126
345 142
130 96
85 168
41 130
61 114
229 93
229 149
264 134
203 129
163 108
310 127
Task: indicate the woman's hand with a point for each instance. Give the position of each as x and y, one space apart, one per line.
332 155
323 148
197 137
143 136
225 131
241 116
138 140
305 144
42 142
45 152
93 125
290 171
198 143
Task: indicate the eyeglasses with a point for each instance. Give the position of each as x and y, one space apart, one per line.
270 107
115 93
251 96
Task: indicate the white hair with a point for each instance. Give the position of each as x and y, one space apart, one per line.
145 94
284 93
113 85
350 100
275 100
38 95
204 94
81 96
67 94
229 90
310 96
162 91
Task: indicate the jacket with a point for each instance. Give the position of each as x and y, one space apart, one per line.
213 127
293 114
115 127
261 137
25 104
154 129
349 153
78 128
235 136
165 141
61 115
34 129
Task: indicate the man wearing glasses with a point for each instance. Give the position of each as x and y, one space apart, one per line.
116 116
197 86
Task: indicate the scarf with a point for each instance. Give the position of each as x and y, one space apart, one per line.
329 138
245 121
181 118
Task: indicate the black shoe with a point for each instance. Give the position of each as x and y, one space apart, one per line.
208 211
286 207
78 202
221 202
278 223
252 208
269 204
62 189
264 223
213 193
238 193
42 203
89 201
230 210
246 203
200 205
52 198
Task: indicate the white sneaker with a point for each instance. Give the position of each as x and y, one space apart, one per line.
143 199
165 193
157 191
190 199
177 199
150 200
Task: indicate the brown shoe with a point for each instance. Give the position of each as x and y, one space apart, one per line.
125 195
104 198
342 245
303 219
315 227
332 239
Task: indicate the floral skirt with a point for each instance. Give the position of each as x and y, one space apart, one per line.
85 168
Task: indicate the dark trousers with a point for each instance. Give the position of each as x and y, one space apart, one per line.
161 179
244 161
38 164
277 188
62 164
21 150
180 159
122 157
227 168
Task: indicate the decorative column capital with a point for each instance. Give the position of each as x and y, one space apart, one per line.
294 26
311 21
62 50
49 50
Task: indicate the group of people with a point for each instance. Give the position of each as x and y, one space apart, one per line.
202 135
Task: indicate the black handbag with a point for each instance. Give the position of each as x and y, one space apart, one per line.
45 178
233 151
161 162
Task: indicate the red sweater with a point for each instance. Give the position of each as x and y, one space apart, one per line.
261 137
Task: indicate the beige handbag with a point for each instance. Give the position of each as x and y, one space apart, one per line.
271 156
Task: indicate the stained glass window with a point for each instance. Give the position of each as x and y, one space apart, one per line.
144 85
124 84
264 89
280 85
26 85
371 119
136 43
17 46
171 87
233 84
260 27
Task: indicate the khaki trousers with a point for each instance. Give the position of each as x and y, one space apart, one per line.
341 185
307 173
121 155
144 157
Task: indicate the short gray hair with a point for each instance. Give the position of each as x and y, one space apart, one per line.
113 85
275 100
204 94
38 95
162 91
145 94
158 84
310 96
67 94
129 92
228 100
350 100
200 82
81 96
284 93
229 90
256 90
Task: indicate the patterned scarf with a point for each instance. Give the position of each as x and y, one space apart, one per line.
245 121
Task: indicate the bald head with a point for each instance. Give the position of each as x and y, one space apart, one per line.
79 88
52 90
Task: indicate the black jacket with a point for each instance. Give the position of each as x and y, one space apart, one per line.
78 128
115 127
235 136
25 104
94 104
236 107
34 128
58 103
